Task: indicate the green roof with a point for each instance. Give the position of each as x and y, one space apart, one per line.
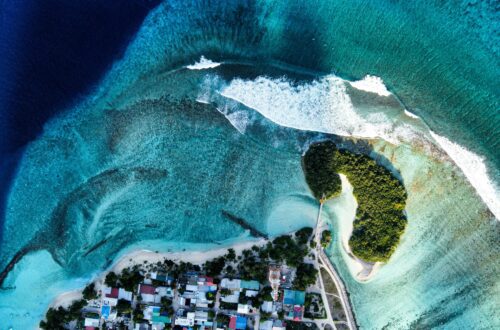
293 297
161 319
250 285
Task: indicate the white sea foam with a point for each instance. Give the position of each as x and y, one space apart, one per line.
371 84
411 115
202 64
325 106
474 168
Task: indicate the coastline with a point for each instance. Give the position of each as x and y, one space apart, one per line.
360 270
138 256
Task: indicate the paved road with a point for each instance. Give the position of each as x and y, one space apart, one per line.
344 298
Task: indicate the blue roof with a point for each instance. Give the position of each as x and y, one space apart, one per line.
241 323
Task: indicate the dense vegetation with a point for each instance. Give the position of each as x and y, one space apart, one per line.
321 172
253 263
381 198
57 318
326 238
89 292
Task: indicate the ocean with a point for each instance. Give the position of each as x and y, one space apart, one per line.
142 121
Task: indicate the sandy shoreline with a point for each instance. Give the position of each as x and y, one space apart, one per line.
360 270
195 256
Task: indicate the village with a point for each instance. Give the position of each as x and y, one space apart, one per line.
272 287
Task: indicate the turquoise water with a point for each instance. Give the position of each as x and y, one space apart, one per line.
156 151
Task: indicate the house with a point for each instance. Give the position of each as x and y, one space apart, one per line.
185 319
201 319
229 284
266 325
90 322
141 326
267 307
279 325
238 323
112 295
162 277
244 309
251 293
148 293
155 318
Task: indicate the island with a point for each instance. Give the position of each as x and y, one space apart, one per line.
274 284
380 219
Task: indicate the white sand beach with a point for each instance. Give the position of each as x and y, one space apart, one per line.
345 209
198 255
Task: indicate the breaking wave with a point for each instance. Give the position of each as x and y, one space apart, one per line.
326 105
203 64
474 168
371 84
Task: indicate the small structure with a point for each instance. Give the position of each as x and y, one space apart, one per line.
243 309
112 295
186 319
279 325
153 315
91 322
266 325
267 307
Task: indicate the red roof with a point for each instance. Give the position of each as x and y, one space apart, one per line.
147 289
232 322
113 294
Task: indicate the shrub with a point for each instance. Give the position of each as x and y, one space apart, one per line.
89 292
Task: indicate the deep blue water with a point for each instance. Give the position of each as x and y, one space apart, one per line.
52 53
441 58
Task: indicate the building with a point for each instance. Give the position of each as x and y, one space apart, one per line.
155 318
274 280
238 323
294 297
279 325
244 309
249 285
267 307
91 323
293 304
185 319
111 296
147 293
162 277
266 325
